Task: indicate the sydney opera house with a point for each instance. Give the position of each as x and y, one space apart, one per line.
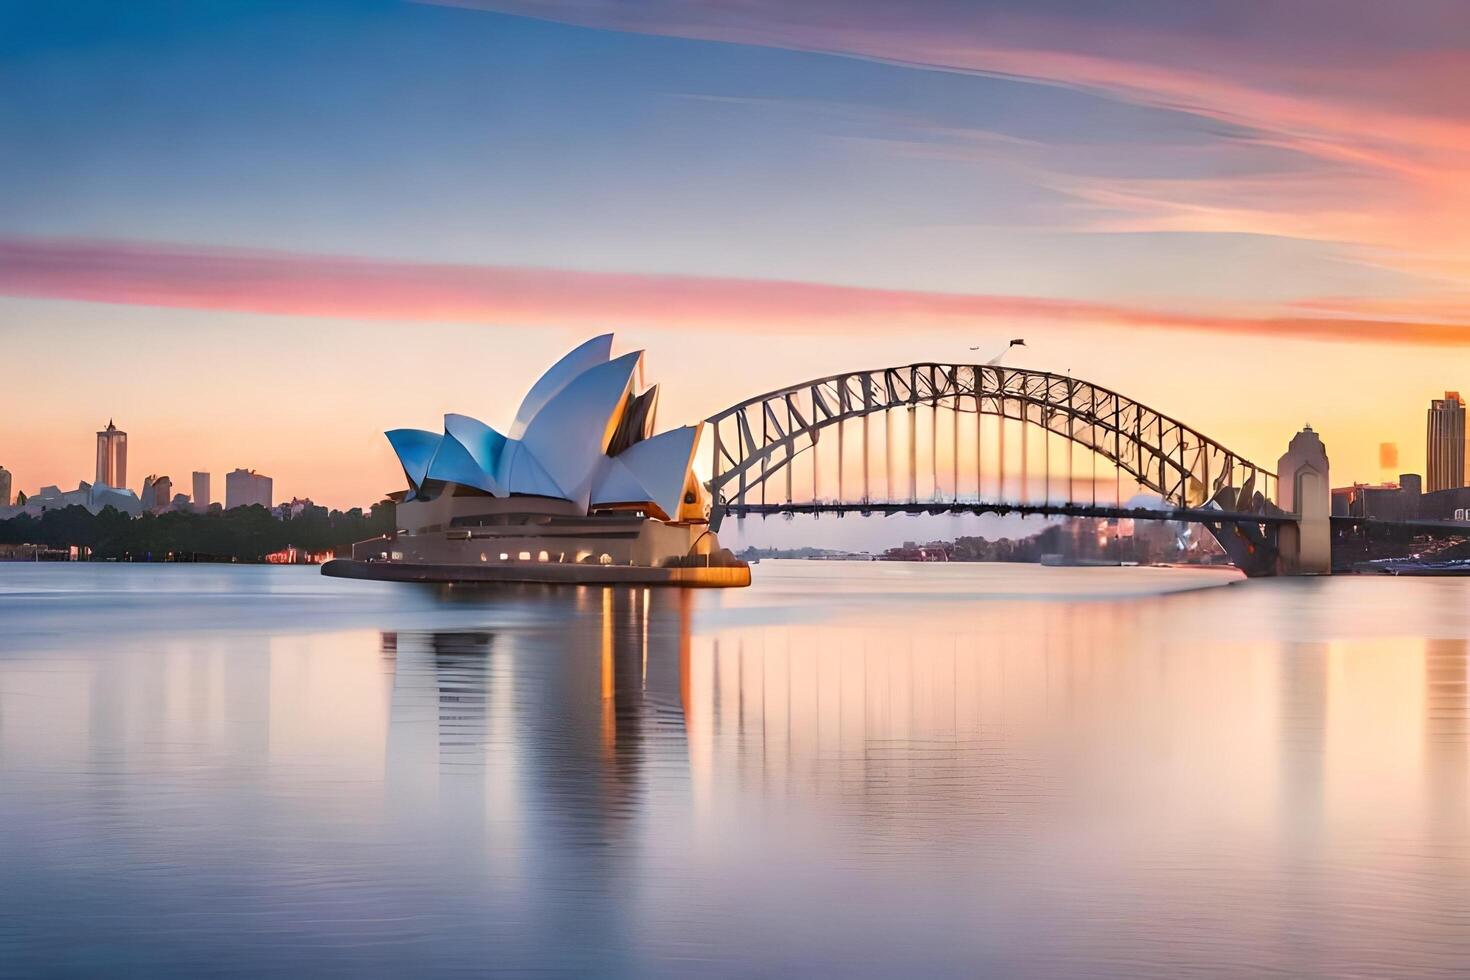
579 488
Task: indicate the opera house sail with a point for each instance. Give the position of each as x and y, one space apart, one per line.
579 488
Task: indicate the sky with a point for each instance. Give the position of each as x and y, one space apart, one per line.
259 234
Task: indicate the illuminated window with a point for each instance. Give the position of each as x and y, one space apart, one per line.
483 557
504 556
605 558
543 557
524 556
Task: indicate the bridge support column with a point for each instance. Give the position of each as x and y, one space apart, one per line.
1305 546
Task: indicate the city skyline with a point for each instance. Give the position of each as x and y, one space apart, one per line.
109 487
1247 220
1447 454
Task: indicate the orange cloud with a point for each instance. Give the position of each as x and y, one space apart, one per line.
285 283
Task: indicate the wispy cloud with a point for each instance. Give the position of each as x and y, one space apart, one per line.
284 283
1377 102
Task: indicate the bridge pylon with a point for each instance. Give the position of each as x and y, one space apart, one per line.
1305 545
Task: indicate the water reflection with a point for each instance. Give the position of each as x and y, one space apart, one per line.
625 781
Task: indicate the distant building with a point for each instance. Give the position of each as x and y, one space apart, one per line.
1445 443
180 502
1446 505
295 508
94 497
4 487
157 493
246 487
201 491
1384 501
112 456
1411 486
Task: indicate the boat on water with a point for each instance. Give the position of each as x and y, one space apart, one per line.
1051 560
1413 566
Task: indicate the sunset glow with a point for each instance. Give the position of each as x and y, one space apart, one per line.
1215 211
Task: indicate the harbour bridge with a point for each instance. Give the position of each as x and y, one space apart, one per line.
954 438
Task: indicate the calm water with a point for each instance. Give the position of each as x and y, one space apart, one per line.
848 769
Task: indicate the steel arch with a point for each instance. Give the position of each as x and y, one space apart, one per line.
761 437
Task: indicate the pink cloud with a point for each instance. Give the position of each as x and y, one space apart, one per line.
284 283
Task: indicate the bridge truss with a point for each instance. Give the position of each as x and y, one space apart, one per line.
758 447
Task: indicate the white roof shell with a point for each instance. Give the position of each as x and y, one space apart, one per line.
558 442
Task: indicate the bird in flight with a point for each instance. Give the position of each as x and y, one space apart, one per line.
1018 342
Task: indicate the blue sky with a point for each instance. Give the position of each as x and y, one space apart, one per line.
1247 214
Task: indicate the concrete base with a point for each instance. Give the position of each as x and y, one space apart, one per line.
716 577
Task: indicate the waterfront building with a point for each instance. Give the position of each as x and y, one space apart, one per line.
1404 501
1411 494
579 488
1446 505
1445 443
4 487
201 491
1383 501
244 488
112 456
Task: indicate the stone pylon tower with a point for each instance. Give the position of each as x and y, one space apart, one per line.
1306 546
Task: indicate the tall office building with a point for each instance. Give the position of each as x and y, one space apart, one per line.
246 487
4 487
112 456
158 493
201 491
1445 447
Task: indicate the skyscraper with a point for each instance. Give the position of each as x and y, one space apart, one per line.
1445 446
246 487
201 491
112 456
4 487
158 492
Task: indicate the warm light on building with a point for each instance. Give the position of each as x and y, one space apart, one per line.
1445 443
244 488
112 457
296 556
202 498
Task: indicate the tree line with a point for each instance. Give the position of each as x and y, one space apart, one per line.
241 534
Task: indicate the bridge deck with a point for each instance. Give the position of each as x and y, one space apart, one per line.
1194 514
